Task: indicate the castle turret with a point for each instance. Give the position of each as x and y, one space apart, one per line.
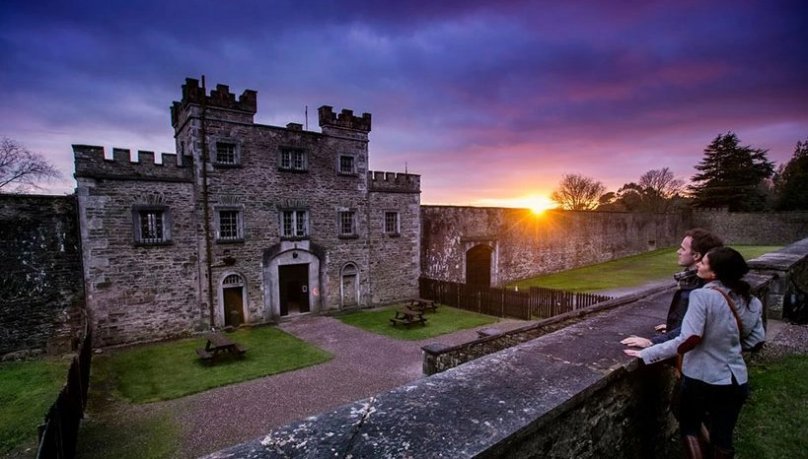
345 124
220 98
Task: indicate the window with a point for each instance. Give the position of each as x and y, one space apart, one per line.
346 164
231 226
347 226
151 225
391 222
226 154
293 160
294 224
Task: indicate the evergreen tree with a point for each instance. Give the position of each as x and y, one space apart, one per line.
792 183
731 175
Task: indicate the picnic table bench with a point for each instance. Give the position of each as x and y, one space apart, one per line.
407 316
421 304
218 344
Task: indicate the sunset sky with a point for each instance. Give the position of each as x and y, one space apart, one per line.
490 102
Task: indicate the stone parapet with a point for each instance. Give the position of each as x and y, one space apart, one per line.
393 182
90 163
345 120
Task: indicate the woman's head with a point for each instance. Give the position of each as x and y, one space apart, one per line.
726 265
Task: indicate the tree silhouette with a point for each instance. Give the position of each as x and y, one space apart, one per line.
576 192
731 176
21 169
791 183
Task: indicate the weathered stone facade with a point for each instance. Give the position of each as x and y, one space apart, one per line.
246 224
40 278
520 244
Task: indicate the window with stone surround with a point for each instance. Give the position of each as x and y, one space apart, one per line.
391 223
347 224
293 159
227 154
347 165
294 224
229 225
152 225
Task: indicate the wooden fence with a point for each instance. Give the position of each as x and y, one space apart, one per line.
535 303
58 434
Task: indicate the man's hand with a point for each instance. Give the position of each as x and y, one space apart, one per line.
631 352
636 341
662 328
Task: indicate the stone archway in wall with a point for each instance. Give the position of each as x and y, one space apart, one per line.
349 285
232 305
292 280
479 263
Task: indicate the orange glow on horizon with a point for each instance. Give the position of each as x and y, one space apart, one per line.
535 202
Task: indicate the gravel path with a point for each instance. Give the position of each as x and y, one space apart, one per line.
364 364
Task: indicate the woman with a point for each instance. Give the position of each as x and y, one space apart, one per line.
721 315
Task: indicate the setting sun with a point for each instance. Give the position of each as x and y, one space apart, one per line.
538 204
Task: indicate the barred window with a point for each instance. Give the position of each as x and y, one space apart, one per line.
347 225
226 153
293 160
152 225
391 223
294 223
230 225
346 164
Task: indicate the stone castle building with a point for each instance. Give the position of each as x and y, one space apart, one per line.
246 223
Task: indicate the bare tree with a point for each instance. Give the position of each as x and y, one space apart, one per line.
22 169
576 192
660 187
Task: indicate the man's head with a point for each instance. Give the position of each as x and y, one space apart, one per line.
695 244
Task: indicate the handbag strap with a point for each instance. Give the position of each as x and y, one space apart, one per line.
732 308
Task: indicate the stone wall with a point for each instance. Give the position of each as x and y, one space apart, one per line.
40 277
771 228
525 244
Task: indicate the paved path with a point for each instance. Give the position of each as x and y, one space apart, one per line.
364 364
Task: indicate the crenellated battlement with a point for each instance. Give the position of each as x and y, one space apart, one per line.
221 97
345 120
90 162
394 182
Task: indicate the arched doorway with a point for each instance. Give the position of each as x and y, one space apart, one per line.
349 286
232 295
478 266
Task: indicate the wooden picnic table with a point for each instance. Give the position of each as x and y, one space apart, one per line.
218 344
407 316
421 304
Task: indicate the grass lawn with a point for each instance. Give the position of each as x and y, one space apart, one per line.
135 437
774 421
624 272
27 390
164 371
446 320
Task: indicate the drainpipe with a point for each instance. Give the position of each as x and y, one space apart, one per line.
206 200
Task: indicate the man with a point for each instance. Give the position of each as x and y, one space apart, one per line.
696 243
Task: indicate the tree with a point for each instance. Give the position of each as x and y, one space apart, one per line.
731 176
21 169
657 191
791 182
576 192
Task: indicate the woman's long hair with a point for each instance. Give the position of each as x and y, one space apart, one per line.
729 267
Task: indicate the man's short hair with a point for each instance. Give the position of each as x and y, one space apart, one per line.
702 241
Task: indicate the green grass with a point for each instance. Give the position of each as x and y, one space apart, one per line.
446 320
172 369
630 271
774 421
27 390
131 438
